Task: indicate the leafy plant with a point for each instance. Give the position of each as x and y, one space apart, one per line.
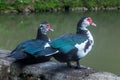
51 4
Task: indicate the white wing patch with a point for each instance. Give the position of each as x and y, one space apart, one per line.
46 45
49 39
81 47
52 53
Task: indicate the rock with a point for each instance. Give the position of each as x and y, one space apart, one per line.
56 71
3 65
102 76
4 53
48 71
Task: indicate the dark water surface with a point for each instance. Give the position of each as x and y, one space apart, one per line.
105 54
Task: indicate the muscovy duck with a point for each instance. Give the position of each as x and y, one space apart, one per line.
34 50
73 47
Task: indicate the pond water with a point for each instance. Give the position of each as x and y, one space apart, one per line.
105 54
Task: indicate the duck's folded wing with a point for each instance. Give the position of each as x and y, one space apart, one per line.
67 42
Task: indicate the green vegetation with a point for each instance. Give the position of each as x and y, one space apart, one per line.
50 5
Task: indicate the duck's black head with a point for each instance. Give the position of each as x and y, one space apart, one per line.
45 27
84 22
42 30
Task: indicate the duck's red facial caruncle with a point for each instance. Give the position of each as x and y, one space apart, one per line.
48 27
90 21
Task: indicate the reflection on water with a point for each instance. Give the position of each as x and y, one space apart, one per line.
105 54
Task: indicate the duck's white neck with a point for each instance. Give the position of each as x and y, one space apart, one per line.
87 31
84 28
81 47
90 37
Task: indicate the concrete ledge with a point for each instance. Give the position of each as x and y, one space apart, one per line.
49 71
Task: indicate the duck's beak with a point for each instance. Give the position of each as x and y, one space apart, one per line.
93 24
51 29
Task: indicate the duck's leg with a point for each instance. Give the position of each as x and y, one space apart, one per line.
78 65
69 64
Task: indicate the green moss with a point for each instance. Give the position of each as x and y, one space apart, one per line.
53 4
